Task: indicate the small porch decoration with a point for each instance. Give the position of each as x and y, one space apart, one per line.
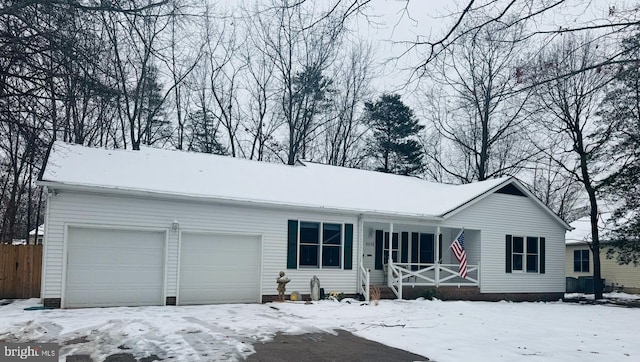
282 282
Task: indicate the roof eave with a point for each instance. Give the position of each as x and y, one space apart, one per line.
54 185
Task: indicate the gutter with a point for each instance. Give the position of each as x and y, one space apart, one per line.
55 187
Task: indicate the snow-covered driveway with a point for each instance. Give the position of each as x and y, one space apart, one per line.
442 331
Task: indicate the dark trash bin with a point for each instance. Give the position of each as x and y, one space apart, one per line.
572 285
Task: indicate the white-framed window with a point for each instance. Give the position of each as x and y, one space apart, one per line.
581 261
320 245
525 254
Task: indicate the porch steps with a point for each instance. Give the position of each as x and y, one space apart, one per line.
386 292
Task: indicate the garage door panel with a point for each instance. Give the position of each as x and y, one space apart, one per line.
109 267
219 269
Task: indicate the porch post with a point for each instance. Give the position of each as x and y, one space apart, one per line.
390 258
391 241
437 256
360 249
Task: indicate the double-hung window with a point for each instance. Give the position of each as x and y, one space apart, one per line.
532 255
581 261
525 254
331 245
320 244
309 243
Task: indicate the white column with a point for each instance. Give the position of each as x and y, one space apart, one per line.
391 241
360 248
437 256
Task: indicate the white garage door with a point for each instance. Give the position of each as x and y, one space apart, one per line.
219 269
107 267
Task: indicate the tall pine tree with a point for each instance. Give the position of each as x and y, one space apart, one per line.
394 144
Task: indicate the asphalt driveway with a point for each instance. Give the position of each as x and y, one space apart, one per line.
309 347
320 347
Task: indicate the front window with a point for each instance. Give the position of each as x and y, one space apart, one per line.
581 261
320 244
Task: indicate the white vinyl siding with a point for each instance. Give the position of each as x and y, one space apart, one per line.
75 208
498 215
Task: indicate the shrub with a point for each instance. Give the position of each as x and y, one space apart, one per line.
430 294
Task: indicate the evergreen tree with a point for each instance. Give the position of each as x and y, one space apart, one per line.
308 101
621 107
155 125
203 133
395 128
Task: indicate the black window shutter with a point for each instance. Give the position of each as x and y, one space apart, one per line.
542 261
404 255
508 254
292 245
379 242
348 246
440 248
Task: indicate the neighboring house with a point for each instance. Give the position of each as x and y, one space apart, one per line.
36 235
580 262
156 227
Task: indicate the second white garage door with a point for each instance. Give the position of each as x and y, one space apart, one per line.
219 269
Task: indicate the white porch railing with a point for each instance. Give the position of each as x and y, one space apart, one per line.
364 282
403 274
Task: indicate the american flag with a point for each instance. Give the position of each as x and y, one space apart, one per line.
458 250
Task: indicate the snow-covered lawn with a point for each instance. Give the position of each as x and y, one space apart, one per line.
440 330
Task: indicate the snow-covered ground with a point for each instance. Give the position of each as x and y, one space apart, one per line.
439 330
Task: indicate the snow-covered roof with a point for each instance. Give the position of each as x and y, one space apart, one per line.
209 176
39 229
581 232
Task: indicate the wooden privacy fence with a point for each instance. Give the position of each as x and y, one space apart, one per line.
20 271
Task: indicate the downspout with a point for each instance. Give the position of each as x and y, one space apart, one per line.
45 242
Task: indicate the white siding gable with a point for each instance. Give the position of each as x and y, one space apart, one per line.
497 215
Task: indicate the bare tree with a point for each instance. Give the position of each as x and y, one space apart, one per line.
474 110
618 19
260 122
134 39
184 55
571 105
301 43
343 141
555 187
224 71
